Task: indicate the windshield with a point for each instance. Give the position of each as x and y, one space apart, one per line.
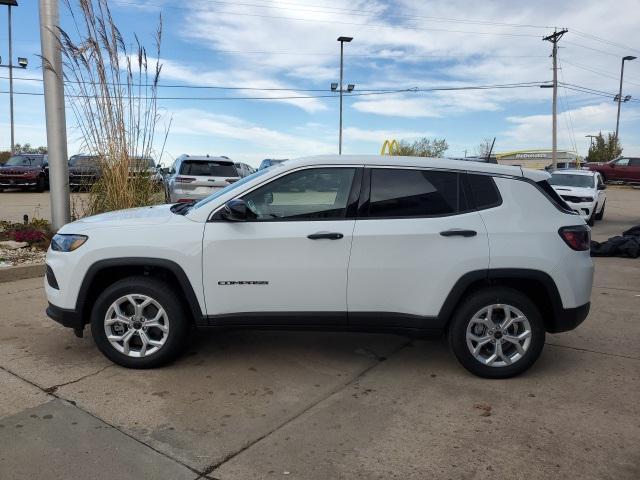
208 169
231 187
23 161
568 180
82 161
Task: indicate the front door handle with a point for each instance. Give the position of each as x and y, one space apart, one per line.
455 232
327 235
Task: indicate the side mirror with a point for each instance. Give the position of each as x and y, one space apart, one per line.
602 186
236 210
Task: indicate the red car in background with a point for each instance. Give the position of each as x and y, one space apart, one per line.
25 171
623 169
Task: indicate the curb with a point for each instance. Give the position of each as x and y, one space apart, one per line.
21 272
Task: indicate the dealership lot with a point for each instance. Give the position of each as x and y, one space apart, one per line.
324 405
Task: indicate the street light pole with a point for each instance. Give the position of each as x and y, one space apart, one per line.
341 40
54 111
628 57
9 4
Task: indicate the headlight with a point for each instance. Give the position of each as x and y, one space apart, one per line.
67 243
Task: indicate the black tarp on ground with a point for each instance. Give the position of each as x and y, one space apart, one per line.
626 246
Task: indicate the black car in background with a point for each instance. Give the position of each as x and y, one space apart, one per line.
25 171
84 171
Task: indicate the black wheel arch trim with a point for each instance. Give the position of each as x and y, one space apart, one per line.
180 275
563 319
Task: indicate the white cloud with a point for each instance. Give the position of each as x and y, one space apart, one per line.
264 141
532 130
379 136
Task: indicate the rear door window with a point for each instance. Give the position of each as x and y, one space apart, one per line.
402 193
208 169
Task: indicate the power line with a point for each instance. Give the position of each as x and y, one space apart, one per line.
599 72
603 40
292 89
347 11
302 97
374 25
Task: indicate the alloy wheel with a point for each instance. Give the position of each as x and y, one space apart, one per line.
136 325
498 335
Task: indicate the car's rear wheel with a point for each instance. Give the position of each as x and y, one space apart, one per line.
600 214
497 333
138 322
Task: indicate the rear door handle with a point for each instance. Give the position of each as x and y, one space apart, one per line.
327 235
455 232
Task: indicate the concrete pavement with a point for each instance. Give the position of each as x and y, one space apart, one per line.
323 405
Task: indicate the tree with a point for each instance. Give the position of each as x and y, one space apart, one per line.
423 147
604 149
26 148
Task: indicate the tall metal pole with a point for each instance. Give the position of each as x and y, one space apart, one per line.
341 62
554 137
619 98
11 83
55 114
554 39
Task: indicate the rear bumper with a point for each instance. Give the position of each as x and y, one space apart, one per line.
569 318
66 318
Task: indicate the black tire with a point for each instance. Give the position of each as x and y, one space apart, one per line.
42 184
457 333
179 325
592 219
600 214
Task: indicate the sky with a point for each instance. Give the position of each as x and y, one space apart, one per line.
397 45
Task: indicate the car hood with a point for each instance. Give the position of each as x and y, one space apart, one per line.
575 191
123 218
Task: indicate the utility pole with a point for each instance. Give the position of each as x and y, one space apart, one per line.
54 111
619 96
341 40
9 4
554 39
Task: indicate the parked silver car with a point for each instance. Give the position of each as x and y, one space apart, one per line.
196 177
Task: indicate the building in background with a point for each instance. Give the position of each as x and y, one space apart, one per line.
539 158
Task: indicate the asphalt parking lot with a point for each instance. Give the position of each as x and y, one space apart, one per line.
258 404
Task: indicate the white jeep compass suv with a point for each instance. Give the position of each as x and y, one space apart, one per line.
487 253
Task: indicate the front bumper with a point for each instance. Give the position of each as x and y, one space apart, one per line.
584 209
66 318
181 195
18 182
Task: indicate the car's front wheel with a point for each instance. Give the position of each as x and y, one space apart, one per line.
138 322
497 333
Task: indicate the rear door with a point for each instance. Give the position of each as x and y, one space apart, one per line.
414 239
633 170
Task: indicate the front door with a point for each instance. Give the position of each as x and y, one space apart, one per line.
291 259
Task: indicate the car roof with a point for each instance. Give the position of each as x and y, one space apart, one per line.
430 162
569 171
206 158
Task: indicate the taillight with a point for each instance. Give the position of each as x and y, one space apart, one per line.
577 237
185 179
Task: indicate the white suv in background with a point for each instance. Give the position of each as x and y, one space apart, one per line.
193 178
583 191
487 253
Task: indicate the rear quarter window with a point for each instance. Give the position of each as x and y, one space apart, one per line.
483 191
553 197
